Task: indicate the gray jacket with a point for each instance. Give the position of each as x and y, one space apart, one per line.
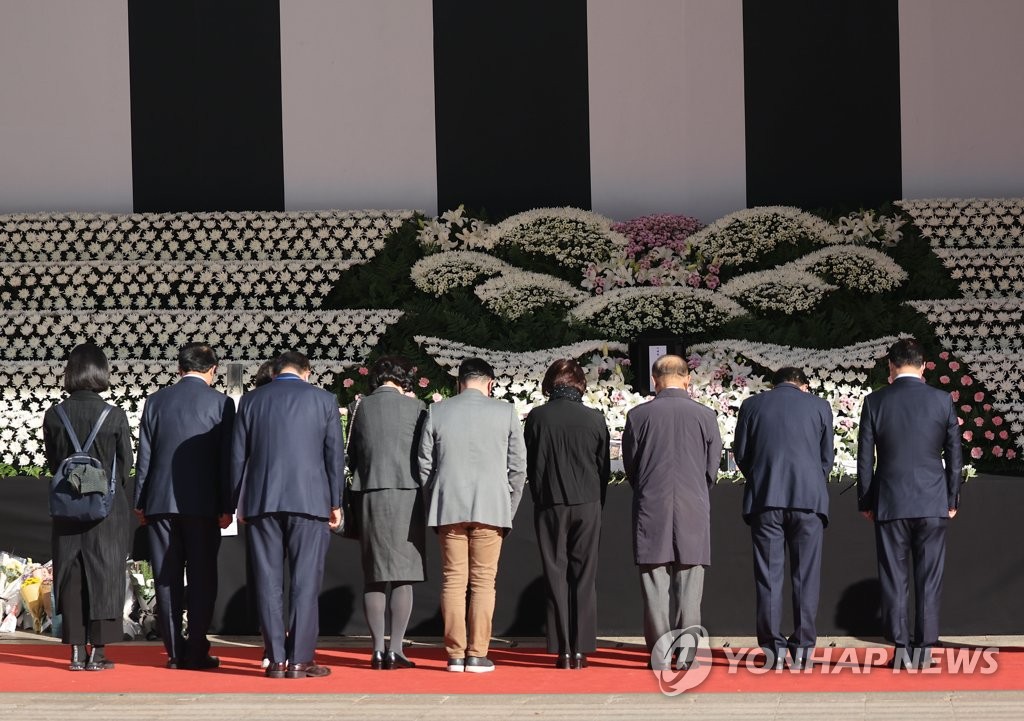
472 461
383 441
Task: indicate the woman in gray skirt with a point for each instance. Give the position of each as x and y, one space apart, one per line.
383 438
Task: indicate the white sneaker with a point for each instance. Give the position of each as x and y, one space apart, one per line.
456 665
479 664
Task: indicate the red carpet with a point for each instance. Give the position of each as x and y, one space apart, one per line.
41 668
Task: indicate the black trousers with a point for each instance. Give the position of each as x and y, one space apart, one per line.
179 544
897 542
77 626
569 538
773 532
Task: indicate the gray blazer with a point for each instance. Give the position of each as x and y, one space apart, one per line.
384 440
472 461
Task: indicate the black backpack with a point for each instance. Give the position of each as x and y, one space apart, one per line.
80 490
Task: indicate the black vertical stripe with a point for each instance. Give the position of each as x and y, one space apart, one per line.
822 95
206 105
511 104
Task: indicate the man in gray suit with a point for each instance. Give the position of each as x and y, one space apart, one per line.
472 463
183 497
671 451
288 467
784 447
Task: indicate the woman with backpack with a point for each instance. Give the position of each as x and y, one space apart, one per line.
89 555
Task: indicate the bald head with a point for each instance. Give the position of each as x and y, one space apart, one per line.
670 371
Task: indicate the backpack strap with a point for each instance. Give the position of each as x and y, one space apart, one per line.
71 431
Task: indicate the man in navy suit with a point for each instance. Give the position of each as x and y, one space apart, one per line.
784 448
183 497
287 468
909 461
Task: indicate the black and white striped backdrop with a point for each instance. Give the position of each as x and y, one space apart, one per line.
623 106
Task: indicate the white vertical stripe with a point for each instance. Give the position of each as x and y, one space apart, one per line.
357 82
666 107
65 123
961 84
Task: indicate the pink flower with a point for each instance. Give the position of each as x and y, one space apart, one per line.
944 355
424 382
989 435
944 380
997 420
959 421
979 397
997 451
364 371
436 397
954 366
955 395
968 436
711 281
976 453
1010 454
930 365
348 383
693 279
1003 435
966 407
966 381
987 407
979 422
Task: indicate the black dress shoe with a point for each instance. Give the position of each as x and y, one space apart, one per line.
307 670
276 670
78 658
174 664
98 660
564 660
377 660
579 660
393 660
206 663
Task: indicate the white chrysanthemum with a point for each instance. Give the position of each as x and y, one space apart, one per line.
439 273
785 290
516 293
627 312
853 267
747 235
571 236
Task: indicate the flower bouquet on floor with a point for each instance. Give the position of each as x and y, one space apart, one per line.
140 600
11 570
36 585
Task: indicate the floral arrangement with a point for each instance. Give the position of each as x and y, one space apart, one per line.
262 235
515 294
455 230
440 273
91 285
985 272
994 325
743 237
784 290
571 236
658 253
329 335
971 222
627 312
854 267
866 228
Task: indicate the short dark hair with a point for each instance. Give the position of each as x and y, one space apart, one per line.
393 369
564 372
196 357
670 365
475 368
790 374
264 374
87 369
291 358
906 352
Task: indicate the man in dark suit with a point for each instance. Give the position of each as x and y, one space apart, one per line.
183 497
784 448
287 469
671 450
909 462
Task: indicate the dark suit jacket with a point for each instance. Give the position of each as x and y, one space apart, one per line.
783 447
567 458
184 459
287 453
384 440
912 428
671 450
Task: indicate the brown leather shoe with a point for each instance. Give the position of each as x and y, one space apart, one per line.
276 670
307 670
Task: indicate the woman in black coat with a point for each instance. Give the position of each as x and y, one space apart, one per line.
89 558
568 465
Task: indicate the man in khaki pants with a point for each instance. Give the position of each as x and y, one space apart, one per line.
472 463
